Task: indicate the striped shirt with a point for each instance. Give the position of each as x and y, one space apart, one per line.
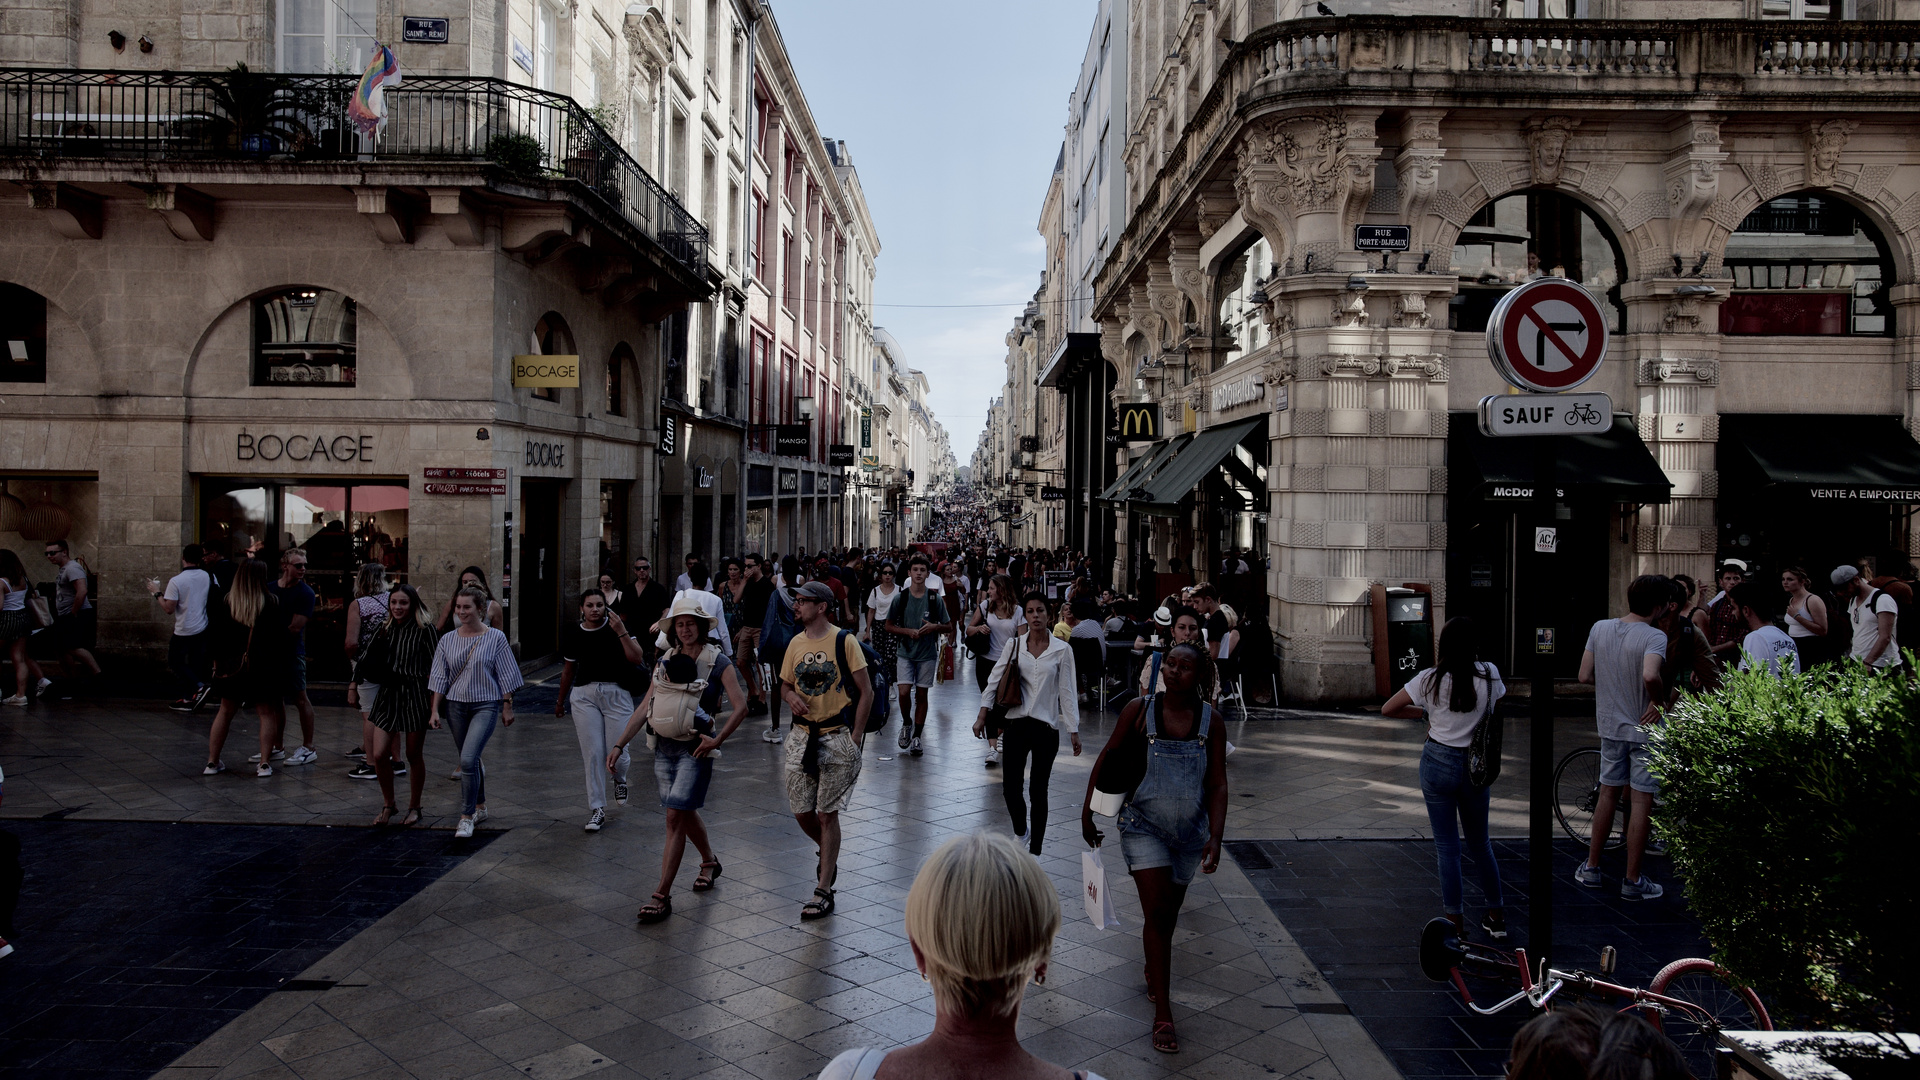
490 673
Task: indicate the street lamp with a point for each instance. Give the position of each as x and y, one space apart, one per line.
803 408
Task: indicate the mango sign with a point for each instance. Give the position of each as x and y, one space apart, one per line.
546 371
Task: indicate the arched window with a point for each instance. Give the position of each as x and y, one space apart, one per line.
1527 235
304 336
1807 264
618 367
552 337
1239 312
23 326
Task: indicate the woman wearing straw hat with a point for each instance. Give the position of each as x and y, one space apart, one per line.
684 767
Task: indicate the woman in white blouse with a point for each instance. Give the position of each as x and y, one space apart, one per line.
1049 704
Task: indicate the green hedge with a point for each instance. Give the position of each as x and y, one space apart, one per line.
1792 809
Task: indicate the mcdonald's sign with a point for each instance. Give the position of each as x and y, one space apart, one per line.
1139 421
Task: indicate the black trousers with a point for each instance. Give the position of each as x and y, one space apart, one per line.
1025 736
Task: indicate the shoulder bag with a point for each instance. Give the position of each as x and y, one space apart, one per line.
1122 768
1483 750
1008 695
39 608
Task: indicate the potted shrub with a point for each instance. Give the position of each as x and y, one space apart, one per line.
254 113
520 155
1791 806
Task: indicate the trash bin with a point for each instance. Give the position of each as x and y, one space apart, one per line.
1409 635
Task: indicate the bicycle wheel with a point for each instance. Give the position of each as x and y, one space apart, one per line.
1704 984
1576 788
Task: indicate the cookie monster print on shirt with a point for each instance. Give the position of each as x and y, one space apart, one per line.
812 668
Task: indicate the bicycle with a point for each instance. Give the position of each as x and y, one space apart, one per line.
1583 413
1692 1001
1576 789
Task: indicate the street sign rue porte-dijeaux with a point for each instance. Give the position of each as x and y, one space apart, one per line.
1382 237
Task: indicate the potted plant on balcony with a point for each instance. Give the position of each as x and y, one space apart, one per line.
1791 807
517 154
253 113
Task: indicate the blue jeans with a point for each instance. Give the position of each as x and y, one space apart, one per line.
472 724
1454 804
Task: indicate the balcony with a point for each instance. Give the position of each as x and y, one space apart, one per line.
1387 60
240 117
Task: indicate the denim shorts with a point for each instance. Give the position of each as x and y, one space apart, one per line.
683 778
297 677
1145 851
1623 763
911 672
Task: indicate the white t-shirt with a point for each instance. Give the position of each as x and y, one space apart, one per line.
1444 726
188 591
1866 628
879 603
1772 647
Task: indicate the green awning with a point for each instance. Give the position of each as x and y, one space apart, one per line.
1822 456
1142 467
1615 465
1175 481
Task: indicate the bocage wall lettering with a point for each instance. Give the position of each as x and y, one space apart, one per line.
546 455
336 448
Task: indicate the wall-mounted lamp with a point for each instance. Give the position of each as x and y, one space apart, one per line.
1357 283
482 435
803 408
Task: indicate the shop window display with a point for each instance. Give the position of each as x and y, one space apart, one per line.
1529 235
23 328
305 336
1807 264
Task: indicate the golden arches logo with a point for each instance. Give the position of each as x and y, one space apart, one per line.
1140 421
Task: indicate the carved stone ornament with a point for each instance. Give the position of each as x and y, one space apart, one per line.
1163 301
1277 313
1547 141
1410 310
1419 174
1826 140
1351 312
1294 165
1682 315
1669 369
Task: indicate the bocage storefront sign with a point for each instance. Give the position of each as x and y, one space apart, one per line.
546 371
310 447
1240 391
545 455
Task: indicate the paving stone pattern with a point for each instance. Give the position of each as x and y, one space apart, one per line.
140 939
1357 906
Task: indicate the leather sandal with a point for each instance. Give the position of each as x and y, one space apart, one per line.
386 815
412 818
1163 1037
707 877
657 911
820 906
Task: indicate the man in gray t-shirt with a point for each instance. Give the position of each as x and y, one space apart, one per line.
1622 661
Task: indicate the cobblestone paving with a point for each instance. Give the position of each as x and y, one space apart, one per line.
525 959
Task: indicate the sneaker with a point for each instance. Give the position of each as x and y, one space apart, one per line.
399 768
17 699
202 696
993 755
1588 876
595 820
303 756
757 708
914 748
45 685
1644 889
464 829
1656 846
772 734
263 770
362 771
620 794
480 815
214 768
1495 927
5 949
185 704
906 734
358 751
277 755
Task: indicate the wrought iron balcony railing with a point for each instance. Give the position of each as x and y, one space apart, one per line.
239 115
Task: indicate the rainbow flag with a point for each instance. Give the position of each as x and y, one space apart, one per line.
368 108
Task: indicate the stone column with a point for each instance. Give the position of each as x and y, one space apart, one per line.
1677 377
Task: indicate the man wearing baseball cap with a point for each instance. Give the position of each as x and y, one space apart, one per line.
1873 613
823 744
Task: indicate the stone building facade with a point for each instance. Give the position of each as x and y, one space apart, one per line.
1736 189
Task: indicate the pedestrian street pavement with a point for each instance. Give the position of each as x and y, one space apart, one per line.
524 958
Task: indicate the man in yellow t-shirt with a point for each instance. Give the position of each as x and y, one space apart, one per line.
823 745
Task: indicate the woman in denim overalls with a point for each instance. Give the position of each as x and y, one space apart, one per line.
1174 819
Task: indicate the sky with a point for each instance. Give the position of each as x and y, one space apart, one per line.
953 115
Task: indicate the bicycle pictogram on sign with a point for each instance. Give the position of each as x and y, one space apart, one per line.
1547 335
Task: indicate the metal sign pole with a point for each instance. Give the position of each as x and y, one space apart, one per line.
1546 453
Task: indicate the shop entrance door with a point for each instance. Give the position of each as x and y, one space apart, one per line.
1491 568
537 584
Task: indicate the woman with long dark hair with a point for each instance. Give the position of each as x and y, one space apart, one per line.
995 622
473 578
401 654
1049 703
16 626
1174 820
1454 695
365 615
600 653
252 652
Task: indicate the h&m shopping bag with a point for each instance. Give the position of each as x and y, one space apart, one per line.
1093 878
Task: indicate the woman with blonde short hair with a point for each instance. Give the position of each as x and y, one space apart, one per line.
981 918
